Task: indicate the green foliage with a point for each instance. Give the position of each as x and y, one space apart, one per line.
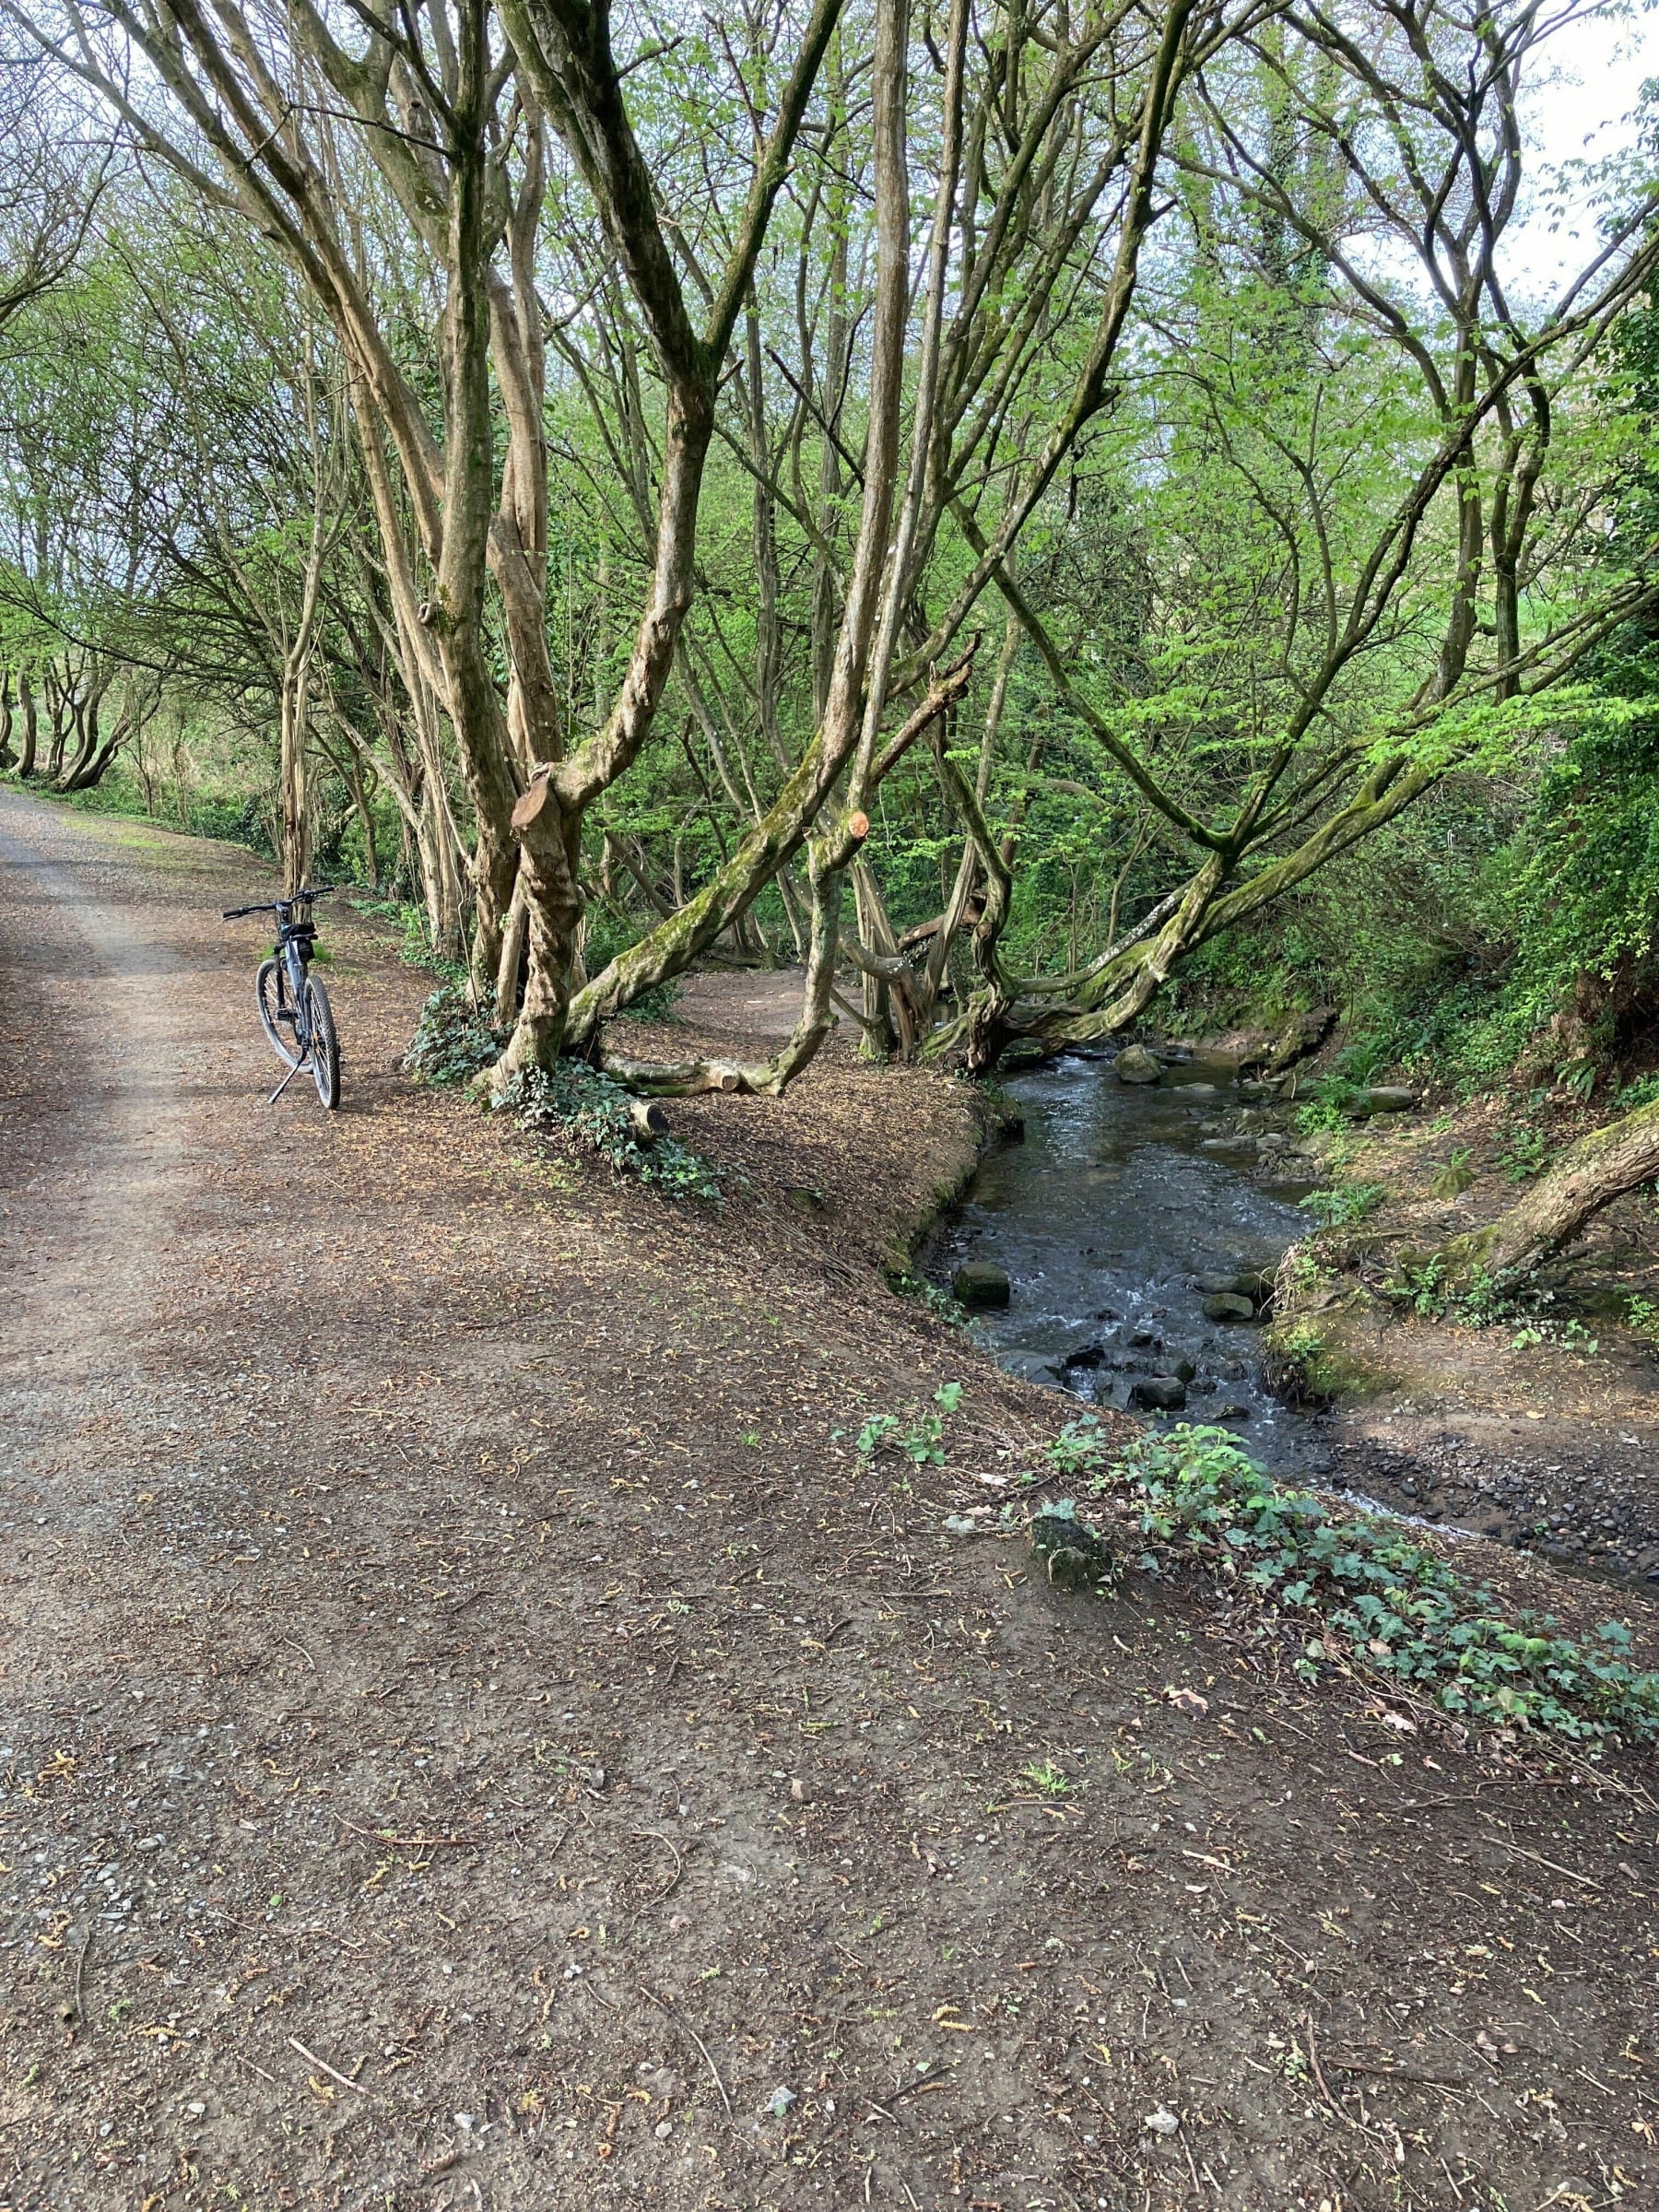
415 943
1330 1104
454 1042
1420 1284
1523 1152
922 1442
938 1302
1369 1598
1348 1204
593 1107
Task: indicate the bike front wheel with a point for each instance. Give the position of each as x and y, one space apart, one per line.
324 1044
275 1015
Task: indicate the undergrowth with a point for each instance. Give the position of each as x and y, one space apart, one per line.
593 1107
923 1443
454 1041
1366 1596
1486 1302
1348 1205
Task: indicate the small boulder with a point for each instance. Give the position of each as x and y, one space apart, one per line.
1076 1556
979 1286
1182 1370
1134 1063
1302 1034
1227 1305
1390 1097
1158 1393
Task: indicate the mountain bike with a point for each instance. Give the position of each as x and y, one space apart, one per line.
294 1011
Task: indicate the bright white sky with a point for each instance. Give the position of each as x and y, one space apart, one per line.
1585 115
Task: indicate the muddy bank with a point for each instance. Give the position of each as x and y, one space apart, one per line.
1536 1426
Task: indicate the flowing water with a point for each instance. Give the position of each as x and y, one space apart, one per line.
1104 1220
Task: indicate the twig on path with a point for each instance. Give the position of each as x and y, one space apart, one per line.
1324 2087
302 1651
333 2073
421 1842
663 2005
1385 2073
657 1836
1538 1859
935 2078
80 1967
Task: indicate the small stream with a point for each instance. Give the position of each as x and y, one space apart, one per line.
1119 1201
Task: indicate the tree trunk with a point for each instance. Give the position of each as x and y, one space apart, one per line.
59 699
5 719
295 848
31 727
1588 1176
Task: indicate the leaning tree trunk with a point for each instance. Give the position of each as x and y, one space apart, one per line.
1588 1176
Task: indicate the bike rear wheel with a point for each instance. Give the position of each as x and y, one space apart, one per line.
324 1044
272 1000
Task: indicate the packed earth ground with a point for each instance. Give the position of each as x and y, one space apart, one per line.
477 1734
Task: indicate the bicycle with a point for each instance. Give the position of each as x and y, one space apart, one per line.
290 998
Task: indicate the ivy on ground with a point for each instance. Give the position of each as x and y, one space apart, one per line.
454 1041
1370 1597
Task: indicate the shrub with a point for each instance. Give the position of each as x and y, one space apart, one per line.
1348 1204
453 1039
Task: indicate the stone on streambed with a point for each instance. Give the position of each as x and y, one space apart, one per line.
1085 1355
1227 1305
979 1286
1158 1393
1134 1063
1255 1284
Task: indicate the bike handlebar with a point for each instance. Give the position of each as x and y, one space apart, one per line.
276 906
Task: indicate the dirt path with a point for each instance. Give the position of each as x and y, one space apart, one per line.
473 1736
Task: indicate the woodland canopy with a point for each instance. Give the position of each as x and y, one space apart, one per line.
1015 509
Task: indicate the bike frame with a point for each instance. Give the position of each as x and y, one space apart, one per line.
293 953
